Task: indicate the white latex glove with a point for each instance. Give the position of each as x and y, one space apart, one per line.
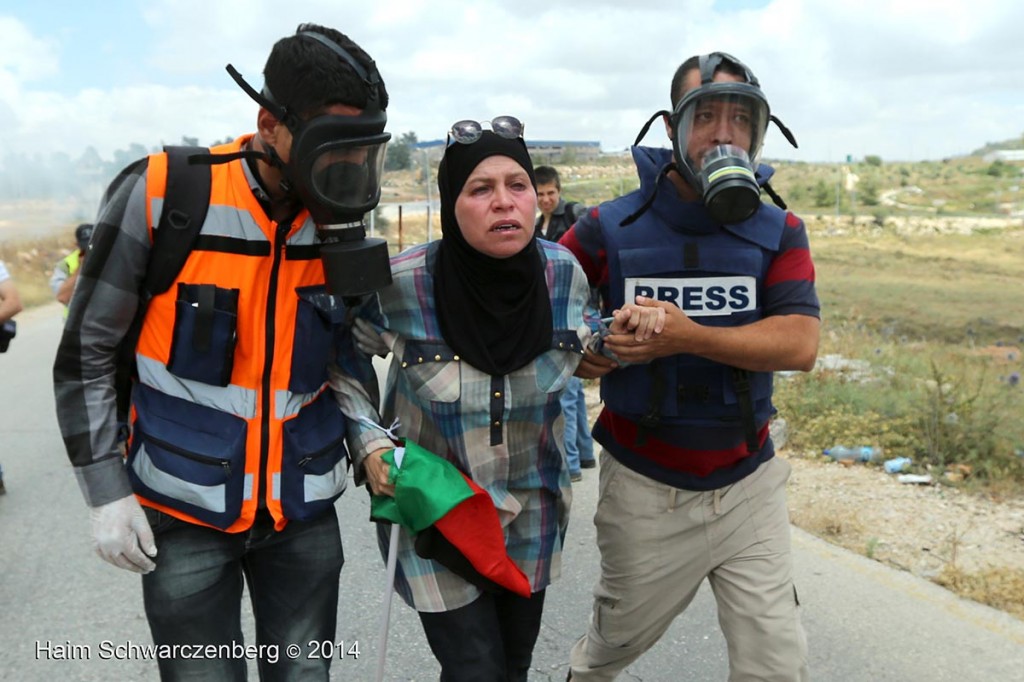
368 340
122 535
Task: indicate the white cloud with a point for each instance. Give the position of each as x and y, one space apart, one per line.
905 79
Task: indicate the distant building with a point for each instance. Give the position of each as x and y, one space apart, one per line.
541 151
1005 155
553 151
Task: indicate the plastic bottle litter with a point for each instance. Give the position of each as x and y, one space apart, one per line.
861 453
921 479
896 465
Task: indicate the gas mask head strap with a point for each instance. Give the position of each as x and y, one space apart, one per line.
710 63
265 99
370 76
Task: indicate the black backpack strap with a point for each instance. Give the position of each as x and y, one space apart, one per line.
186 201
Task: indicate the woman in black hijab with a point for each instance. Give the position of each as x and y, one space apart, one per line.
485 325
494 310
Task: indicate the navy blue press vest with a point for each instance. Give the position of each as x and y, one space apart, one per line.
715 273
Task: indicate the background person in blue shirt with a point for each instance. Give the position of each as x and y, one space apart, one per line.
555 219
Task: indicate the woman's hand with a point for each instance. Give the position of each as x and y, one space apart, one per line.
378 472
644 322
671 330
594 365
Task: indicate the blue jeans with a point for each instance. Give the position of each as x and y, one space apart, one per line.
579 445
194 595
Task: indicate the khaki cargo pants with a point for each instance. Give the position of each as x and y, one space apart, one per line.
657 545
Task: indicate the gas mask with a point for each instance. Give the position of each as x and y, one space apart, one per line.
724 123
335 167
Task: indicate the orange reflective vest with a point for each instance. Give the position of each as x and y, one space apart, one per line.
231 410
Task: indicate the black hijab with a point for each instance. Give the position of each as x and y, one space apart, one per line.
495 313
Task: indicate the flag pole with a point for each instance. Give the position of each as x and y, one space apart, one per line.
388 593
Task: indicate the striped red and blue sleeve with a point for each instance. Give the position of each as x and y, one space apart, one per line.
789 281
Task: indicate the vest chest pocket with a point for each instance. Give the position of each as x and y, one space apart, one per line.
432 370
203 343
317 318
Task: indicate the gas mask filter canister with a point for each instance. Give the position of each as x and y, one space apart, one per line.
728 184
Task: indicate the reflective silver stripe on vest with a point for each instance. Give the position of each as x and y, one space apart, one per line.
211 498
288 404
326 486
317 487
232 399
247 492
305 235
224 221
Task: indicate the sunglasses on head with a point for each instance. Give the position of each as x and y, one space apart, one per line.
468 132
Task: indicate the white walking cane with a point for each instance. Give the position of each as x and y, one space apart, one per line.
389 591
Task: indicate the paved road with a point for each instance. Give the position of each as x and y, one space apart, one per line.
865 623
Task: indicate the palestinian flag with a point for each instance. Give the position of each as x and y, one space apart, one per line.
453 519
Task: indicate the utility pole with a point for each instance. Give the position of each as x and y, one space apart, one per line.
426 178
839 184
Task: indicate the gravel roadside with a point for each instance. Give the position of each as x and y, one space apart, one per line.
927 530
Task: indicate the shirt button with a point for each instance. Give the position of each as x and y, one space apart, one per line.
437 357
497 394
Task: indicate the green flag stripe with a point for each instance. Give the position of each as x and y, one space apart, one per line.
426 488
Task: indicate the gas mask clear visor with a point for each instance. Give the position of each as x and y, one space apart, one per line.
718 130
337 164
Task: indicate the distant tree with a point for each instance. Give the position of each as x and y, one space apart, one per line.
873 160
90 158
189 141
122 157
795 194
869 192
997 168
399 155
823 194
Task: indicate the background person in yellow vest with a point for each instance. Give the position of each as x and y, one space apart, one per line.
10 305
237 450
65 273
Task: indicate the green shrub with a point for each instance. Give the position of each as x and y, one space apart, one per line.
937 405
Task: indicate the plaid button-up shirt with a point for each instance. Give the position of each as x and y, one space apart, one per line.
505 432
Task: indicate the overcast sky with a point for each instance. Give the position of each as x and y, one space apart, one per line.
903 79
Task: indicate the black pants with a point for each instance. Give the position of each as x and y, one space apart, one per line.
488 640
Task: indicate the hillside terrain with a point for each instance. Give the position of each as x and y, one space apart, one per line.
918 269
